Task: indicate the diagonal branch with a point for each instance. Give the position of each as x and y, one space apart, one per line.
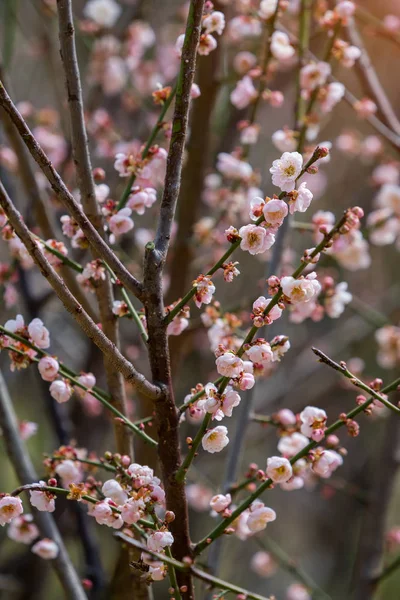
62 192
72 305
26 474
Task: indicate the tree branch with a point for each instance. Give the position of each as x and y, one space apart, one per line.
25 471
71 304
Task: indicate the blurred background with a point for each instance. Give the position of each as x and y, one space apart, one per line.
333 530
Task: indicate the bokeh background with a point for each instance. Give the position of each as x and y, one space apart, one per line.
331 529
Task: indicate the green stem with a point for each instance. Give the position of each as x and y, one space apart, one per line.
221 527
125 194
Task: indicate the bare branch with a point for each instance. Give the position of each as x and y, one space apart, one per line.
26 474
72 305
62 192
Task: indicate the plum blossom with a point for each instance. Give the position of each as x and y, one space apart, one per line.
27 429
244 93
330 95
260 352
103 12
69 472
260 306
158 540
383 227
140 199
219 405
39 334
326 462
281 47
232 167
389 197
229 365
220 502
177 325
286 170
284 140
280 344
43 501
207 44
274 212
204 290
259 516
214 22
215 439
46 549
290 445
244 61
48 368
313 423
267 8
255 239
121 222
263 564
132 510
314 75
297 591
279 469
141 475
301 199
352 251
104 515
388 339
244 26
301 290
15 325
337 299
112 489
22 529
10 508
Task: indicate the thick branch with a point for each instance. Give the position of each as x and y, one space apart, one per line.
25 471
61 191
71 304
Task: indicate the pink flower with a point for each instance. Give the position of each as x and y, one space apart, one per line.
48 368
229 365
314 75
121 222
87 379
232 167
286 170
60 390
281 47
132 510
286 417
326 463
337 299
279 469
46 549
23 530
103 12
220 502
388 197
280 344
244 93
263 564
313 423
39 334
207 44
246 381
43 501
159 540
260 352
215 439
120 308
15 325
195 91
297 591
177 325
244 61
69 472
284 140
112 489
275 211
301 290
302 198
267 8
104 515
140 199
259 517
331 95
255 239
27 429
10 508
260 306
249 134
214 22
141 476
345 9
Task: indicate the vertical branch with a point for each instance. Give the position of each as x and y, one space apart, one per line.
167 416
26 474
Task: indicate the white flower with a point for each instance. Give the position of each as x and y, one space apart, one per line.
388 197
112 489
233 168
46 549
352 251
260 353
313 422
60 390
39 334
383 227
215 440
267 8
331 95
255 239
132 510
244 93
140 199
335 303
43 501
259 516
279 469
220 502
121 222
263 564
301 290
388 338
69 472
286 170
103 12
207 44
275 211
281 47
290 445
284 140
214 22
141 475
23 530
326 463
229 365
48 368
314 75
297 591
10 508
302 199
159 540
16 324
